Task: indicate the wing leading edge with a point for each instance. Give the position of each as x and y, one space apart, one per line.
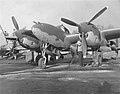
111 33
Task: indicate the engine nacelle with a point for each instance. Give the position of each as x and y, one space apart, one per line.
27 42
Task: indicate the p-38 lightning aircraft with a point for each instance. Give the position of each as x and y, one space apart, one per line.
89 35
29 41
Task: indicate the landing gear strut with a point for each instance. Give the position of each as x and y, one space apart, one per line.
42 59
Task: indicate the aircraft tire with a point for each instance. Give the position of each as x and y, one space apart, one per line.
42 63
37 59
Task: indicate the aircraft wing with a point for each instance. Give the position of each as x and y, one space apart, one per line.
111 33
3 40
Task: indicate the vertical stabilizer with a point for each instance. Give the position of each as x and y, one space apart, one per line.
3 40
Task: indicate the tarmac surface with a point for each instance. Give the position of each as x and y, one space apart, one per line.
18 77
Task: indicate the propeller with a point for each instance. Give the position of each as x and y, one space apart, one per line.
67 21
98 14
81 29
84 44
71 23
18 30
15 23
21 33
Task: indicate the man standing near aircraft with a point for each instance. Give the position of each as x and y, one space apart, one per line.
79 53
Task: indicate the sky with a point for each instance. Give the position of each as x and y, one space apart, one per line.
50 11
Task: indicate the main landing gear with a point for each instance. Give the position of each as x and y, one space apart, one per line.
42 59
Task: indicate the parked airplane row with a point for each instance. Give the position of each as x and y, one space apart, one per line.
47 39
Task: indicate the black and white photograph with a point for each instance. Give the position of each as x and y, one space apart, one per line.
59 46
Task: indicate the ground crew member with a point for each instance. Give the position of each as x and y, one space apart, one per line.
80 53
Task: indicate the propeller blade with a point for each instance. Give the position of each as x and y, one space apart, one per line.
69 22
84 44
15 23
1 28
98 14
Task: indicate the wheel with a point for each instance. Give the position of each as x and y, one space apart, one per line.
37 59
42 63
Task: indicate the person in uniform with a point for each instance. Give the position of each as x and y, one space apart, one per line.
80 53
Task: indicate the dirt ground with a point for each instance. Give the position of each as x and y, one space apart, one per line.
18 77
